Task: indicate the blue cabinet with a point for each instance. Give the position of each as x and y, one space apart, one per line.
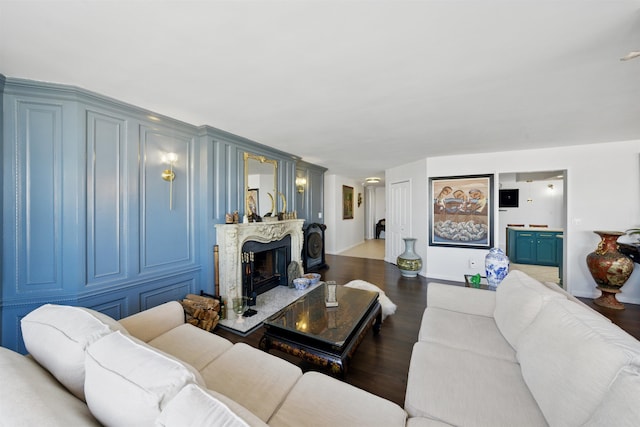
525 248
546 248
533 247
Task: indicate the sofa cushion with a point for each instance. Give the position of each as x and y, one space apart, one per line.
320 400
569 358
31 396
519 299
57 337
459 298
195 407
192 345
461 388
620 405
155 321
478 334
271 378
129 382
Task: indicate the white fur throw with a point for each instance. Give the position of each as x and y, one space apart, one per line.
388 307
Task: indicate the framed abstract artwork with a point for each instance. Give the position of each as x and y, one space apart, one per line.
347 202
461 211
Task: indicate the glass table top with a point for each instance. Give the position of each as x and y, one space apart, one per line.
310 317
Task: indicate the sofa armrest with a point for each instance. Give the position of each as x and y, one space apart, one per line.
152 323
475 301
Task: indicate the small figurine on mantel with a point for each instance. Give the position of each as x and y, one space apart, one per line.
294 271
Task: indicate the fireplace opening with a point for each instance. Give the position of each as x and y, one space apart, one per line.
264 266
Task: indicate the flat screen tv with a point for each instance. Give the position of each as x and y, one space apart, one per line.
509 198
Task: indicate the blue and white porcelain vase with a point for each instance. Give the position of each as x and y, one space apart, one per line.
496 265
409 262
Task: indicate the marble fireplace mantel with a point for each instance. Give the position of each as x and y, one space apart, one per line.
231 237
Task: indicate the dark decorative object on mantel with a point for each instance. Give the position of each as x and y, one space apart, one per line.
313 252
610 269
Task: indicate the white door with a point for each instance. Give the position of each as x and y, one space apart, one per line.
398 223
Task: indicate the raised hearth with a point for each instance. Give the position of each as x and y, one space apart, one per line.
231 239
267 304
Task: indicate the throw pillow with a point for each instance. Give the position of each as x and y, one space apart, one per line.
519 299
57 336
128 382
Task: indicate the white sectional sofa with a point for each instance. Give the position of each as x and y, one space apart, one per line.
528 354
152 368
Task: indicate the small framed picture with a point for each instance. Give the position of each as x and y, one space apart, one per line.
347 202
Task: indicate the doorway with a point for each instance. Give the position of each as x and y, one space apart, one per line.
541 202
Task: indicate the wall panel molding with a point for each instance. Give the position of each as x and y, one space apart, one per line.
86 217
166 215
160 295
106 192
39 196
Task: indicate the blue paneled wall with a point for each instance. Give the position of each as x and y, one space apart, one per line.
88 219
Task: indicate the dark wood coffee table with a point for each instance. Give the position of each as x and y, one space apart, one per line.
324 336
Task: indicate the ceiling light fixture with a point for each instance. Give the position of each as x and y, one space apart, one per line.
372 180
630 55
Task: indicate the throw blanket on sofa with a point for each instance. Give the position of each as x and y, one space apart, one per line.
388 307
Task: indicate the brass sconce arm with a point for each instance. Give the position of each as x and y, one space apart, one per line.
169 175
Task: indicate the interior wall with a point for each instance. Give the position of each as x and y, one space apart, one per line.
602 193
342 234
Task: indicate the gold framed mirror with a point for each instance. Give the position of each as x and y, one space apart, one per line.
261 186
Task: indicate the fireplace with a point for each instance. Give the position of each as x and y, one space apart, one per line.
266 236
264 266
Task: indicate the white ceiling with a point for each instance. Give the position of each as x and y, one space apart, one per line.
355 86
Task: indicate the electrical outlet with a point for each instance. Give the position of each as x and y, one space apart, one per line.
472 263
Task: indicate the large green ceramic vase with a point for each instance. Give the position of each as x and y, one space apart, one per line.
409 262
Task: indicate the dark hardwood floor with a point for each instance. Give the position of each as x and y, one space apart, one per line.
381 363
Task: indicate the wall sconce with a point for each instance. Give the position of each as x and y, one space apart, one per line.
169 175
300 183
359 199
550 186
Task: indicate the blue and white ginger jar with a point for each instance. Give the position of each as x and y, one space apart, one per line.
496 265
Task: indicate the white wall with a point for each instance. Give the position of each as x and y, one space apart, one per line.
602 193
342 234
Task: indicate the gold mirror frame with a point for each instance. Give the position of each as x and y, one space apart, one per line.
261 160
